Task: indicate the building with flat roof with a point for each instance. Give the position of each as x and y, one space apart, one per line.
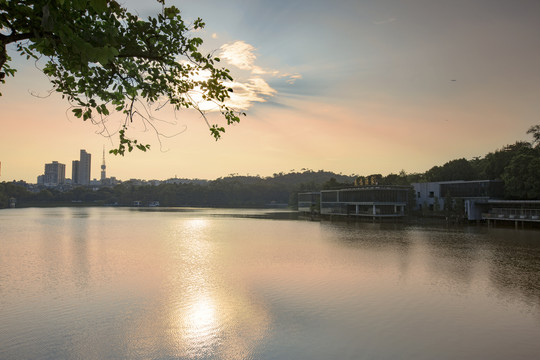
368 201
431 196
55 174
81 169
75 172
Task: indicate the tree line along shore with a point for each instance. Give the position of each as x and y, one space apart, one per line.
517 165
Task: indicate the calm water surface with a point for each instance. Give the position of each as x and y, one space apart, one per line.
107 283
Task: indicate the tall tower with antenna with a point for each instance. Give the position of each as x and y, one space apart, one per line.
103 167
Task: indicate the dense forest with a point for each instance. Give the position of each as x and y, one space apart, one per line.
518 165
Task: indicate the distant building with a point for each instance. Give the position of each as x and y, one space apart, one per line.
85 168
55 174
103 169
367 201
518 211
431 195
81 169
176 180
75 172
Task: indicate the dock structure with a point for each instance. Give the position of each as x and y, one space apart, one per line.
519 212
374 202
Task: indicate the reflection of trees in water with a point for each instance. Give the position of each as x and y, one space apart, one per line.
508 259
379 239
515 263
454 255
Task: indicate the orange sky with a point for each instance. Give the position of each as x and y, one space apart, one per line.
348 86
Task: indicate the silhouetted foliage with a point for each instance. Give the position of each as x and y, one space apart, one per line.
460 169
231 191
103 58
518 165
535 131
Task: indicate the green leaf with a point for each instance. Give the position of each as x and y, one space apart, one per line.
99 5
77 112
100 54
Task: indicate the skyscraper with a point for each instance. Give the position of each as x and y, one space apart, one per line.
84 167
55 173
75 172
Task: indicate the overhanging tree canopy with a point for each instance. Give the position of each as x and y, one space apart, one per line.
102 58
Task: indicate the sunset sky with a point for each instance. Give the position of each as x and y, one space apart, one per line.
351 86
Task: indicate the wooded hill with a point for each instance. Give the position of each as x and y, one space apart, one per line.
518 165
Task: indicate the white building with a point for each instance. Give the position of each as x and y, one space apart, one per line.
431 196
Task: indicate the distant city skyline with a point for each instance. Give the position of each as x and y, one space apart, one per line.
55 172
351 86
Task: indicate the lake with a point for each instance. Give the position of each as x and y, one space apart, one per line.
121 283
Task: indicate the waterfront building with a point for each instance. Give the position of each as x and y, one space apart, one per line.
431 196
55 174
519 212
367 201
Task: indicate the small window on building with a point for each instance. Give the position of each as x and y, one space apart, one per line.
419 195
430 207
431 194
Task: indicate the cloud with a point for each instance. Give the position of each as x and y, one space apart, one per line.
250 85
242 55
246 93
239 54
291 78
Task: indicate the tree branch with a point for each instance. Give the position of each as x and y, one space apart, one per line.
140 55
8 39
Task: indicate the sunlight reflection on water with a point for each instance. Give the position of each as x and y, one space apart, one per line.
209 315
232 284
